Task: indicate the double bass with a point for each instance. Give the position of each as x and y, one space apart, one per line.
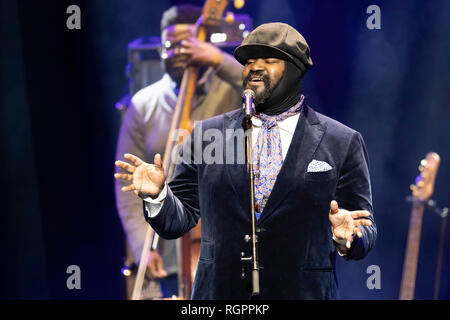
211 17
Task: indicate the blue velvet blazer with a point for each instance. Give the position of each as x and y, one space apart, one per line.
296 249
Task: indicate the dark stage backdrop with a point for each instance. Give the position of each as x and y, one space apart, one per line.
59 128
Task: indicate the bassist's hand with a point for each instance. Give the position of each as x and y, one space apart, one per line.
201 53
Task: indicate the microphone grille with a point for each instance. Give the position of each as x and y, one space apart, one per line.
248 92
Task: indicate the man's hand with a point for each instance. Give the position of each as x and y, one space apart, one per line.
345 224
155 266
201 53
146 179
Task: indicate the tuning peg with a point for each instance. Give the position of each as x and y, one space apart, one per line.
423 163
421 167
412 187
229 17
238 4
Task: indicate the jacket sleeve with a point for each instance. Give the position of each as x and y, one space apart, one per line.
129 206
354 193
180 211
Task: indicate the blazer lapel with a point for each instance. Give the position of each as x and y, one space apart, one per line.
306 139
238 173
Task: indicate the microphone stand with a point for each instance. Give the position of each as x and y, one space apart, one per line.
443 213
247 125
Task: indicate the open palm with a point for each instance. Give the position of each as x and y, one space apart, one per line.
345 224
146 179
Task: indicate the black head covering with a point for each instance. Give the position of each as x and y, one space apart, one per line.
286 93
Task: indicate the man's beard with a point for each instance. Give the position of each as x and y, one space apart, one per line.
260 97
175 67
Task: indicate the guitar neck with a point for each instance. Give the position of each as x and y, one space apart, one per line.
412 252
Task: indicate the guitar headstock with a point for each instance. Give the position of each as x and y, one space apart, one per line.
424 184
212 12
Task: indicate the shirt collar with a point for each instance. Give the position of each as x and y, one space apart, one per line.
287 124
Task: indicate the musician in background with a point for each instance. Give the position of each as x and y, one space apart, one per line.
147 121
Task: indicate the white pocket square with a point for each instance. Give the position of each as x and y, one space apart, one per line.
318 166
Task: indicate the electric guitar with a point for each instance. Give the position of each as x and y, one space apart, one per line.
421 192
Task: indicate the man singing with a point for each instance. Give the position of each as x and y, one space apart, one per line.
312 185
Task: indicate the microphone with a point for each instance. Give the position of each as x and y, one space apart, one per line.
249 107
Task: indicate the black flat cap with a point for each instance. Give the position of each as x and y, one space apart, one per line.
275 40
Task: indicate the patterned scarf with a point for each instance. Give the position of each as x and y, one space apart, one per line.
269 157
